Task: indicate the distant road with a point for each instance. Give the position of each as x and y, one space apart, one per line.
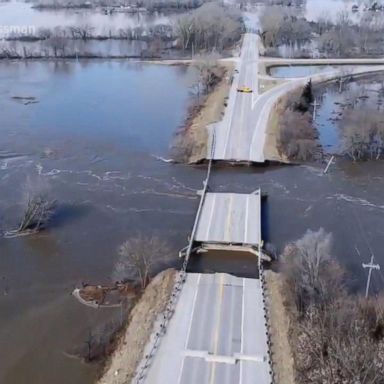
281 61
241 135
238 128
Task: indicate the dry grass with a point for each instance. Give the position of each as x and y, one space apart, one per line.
122 365
192 141
282 358
273 131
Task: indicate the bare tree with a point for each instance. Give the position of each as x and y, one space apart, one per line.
335 337
209 27
296 138
341 342
310 271
58 45
209 72
139 256
363 134
38 211
84 32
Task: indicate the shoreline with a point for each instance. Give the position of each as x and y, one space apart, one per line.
121 365
190 142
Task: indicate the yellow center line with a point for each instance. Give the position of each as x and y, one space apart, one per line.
217 330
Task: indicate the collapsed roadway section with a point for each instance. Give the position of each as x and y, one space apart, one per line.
218 331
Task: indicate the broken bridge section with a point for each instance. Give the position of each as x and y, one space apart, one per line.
230 221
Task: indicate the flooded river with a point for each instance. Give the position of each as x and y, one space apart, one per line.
20 13
90 138
89 141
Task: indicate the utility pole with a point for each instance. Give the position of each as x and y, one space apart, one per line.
371 267
328 164
314 110
315 105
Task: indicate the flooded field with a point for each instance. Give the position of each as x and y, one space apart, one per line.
315 8
20 13
89 133
293 71
336 100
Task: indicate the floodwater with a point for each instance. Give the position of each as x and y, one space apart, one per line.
91 141
100 48
329 8
18 17
293 71
366 92
22 14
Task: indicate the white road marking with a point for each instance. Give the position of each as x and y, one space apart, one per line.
211 216
242 332
246 221
189 328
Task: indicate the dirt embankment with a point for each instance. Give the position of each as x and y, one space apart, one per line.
291 134
271 148
121 367
282 357
191 142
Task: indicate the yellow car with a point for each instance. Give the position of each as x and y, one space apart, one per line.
244 90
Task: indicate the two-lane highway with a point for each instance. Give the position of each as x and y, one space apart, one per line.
241 135
218 334
237 129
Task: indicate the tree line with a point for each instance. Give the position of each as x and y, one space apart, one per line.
211 27
335 336
339 37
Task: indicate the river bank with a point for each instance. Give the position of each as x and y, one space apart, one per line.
121 366
331 124
91 142
191 142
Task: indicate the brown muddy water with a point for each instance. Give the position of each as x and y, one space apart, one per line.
91 139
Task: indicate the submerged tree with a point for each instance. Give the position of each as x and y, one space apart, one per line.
39 209
363 134
38 212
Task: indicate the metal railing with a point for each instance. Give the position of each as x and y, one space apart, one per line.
267 322
178 286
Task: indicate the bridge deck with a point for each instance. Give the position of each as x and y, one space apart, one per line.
230 218
216 336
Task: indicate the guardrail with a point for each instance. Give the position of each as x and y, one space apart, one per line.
178 286
267 322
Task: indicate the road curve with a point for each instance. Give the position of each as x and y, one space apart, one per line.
241 135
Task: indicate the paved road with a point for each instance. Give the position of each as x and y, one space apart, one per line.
237 129
241 135
216 336
230 218
340 61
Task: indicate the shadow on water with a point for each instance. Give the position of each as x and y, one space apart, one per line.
65 214
241 264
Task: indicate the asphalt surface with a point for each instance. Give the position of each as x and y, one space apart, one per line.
230 218
235 136
241 135
216 336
